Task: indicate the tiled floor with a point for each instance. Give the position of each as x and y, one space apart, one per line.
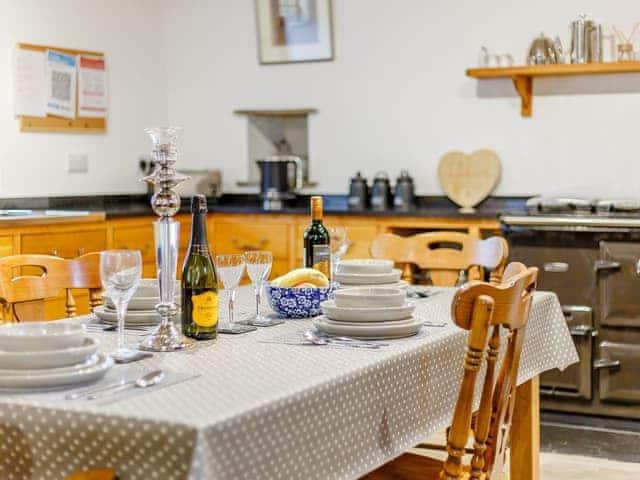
555 466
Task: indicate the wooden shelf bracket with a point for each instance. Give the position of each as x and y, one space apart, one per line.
524 87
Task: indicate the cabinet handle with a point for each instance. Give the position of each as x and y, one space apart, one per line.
80 251
638 268
248 246
54 252
605 363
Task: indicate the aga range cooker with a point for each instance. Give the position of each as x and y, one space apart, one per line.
588 252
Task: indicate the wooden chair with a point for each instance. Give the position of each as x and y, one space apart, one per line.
444 254
484 310
27 280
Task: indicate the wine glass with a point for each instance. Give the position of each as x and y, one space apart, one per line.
259 267
338 246
120 272
230 269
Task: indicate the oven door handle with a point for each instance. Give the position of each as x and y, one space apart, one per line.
604 265
581 331
552 391
605 363
556 267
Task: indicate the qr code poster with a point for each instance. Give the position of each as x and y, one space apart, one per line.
61 84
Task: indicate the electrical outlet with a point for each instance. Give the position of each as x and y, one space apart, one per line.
77 163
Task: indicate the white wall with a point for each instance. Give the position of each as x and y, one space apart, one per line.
396 95
128 32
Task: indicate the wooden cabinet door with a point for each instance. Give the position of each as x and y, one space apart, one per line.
66 244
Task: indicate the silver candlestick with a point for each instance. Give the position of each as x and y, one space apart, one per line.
165 203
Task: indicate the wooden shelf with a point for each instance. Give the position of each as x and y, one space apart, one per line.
522 77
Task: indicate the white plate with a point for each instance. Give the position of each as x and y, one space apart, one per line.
88 362
365 266
149 317
148 287
140 303
370 297
370 331
402 284
44 379
367 314
49 358
366 279
37 336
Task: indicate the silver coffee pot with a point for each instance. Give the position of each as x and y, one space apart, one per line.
586 41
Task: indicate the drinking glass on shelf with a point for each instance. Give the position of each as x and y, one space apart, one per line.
259 267
338 246
230 269
120 272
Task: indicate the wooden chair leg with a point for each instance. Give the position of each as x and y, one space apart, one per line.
70 304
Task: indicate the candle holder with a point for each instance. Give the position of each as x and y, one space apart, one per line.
165 203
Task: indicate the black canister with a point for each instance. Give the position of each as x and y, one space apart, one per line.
404 197
358 193
381 192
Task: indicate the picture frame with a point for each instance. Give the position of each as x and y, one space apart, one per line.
291 31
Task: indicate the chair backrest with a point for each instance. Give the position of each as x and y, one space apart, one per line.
27 280
485 310
444 254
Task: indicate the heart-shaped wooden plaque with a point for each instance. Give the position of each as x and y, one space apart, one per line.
469 179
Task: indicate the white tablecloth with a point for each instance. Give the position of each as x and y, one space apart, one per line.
264 410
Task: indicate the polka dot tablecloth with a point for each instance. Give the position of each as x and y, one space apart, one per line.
265 410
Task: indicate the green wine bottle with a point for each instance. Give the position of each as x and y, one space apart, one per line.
199 281
316 241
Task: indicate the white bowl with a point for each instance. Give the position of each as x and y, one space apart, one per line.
370 297
49 358
38 336
139 303
148 287
365 266
368 315
368 278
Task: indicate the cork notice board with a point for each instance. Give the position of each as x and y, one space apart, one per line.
52 123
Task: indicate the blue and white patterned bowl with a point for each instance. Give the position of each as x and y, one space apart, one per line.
298 302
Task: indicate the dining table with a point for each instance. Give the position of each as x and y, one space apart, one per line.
269 405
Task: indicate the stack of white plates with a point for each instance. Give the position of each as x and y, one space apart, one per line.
142 306
45 355
369 313
369 272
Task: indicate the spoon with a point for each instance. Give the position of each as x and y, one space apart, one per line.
318 340
148 380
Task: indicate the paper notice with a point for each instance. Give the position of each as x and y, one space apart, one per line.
92 87
61 84
29 83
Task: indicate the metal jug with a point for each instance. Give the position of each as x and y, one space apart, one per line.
381 192
358 193
404 196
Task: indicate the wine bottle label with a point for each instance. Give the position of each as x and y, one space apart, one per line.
205 309
321 258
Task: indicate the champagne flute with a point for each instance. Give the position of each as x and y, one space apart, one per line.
338 246
120 272
259 267
230 269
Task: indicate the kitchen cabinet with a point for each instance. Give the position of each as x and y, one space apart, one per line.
228 233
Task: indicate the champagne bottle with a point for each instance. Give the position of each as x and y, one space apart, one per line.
316 241
199 281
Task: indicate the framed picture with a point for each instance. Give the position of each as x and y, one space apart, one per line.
294 30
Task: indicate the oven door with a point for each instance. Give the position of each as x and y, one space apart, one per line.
564 260
619 369
575 380
619 277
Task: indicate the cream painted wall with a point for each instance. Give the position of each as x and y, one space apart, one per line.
128 32
396 95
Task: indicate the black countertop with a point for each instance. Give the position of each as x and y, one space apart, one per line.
138 205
